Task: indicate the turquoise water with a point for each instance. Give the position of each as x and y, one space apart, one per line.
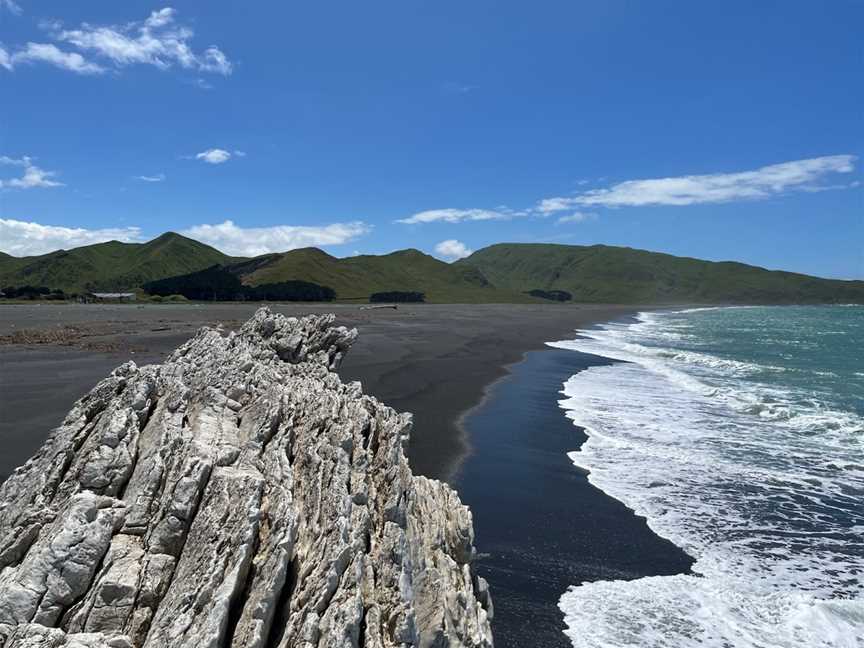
739 434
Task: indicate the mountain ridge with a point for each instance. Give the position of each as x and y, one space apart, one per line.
603 273
111 265
503 272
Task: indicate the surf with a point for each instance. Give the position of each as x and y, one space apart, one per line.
706 429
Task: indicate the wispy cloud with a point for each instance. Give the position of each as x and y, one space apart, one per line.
214 156
31 175
576 217
454 88
455 216
767 181
10 6
50 54
22 238
809 175
451 250
158 41
551 205
252 241
159 177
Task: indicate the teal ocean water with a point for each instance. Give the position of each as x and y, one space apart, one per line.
739 434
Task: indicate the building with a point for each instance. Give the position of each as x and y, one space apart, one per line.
115 296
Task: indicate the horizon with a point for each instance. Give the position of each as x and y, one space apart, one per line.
721 134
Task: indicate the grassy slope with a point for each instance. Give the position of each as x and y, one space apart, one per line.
499 273
600 273
112 265
359 276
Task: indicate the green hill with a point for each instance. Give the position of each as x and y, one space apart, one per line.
601 273
112 265
359 276
499 273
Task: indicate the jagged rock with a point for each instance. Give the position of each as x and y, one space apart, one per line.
237 495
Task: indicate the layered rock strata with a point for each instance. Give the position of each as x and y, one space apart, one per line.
240 495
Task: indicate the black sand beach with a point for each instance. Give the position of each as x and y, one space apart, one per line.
539 524
432 360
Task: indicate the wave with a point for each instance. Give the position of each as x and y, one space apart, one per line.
759 482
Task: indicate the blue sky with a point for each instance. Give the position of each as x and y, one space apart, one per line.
716 130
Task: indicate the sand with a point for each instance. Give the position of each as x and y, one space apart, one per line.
433 360
540 525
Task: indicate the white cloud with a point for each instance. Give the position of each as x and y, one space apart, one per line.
239 153
551 205
776 179
452 250
214 156
810 175
21 238
159 177
455 216
156 41
252 241
11 6
31 176
51 54
576 217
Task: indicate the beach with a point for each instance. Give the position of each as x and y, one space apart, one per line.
435 361
541 526
483 388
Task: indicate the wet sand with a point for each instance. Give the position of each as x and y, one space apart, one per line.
433 360
540 525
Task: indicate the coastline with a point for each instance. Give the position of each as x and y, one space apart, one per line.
540 525
449 365
437 361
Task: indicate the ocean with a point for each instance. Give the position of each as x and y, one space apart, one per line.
738 434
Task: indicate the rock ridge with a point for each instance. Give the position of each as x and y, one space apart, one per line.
238 495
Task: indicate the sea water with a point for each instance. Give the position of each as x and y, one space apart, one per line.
739 434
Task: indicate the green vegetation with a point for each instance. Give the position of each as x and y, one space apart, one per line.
357 277
601 273
551 295
505 273
170 299
111 266
31 292
218 283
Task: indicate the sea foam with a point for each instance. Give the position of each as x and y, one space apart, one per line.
760 480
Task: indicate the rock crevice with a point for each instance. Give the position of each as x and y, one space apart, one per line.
239 495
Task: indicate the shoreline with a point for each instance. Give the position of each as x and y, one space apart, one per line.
437 361
540 524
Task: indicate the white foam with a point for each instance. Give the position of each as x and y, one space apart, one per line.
676 611
732 472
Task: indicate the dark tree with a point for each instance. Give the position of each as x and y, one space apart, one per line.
552 295
218 284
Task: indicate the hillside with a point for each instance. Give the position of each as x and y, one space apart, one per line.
112 265
500 273
601 273
359 276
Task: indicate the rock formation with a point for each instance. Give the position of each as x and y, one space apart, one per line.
238 495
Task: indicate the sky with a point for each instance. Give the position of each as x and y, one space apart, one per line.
724 131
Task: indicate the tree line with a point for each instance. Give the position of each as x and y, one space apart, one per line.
218 284
32 292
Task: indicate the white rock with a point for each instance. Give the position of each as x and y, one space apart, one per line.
237 495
